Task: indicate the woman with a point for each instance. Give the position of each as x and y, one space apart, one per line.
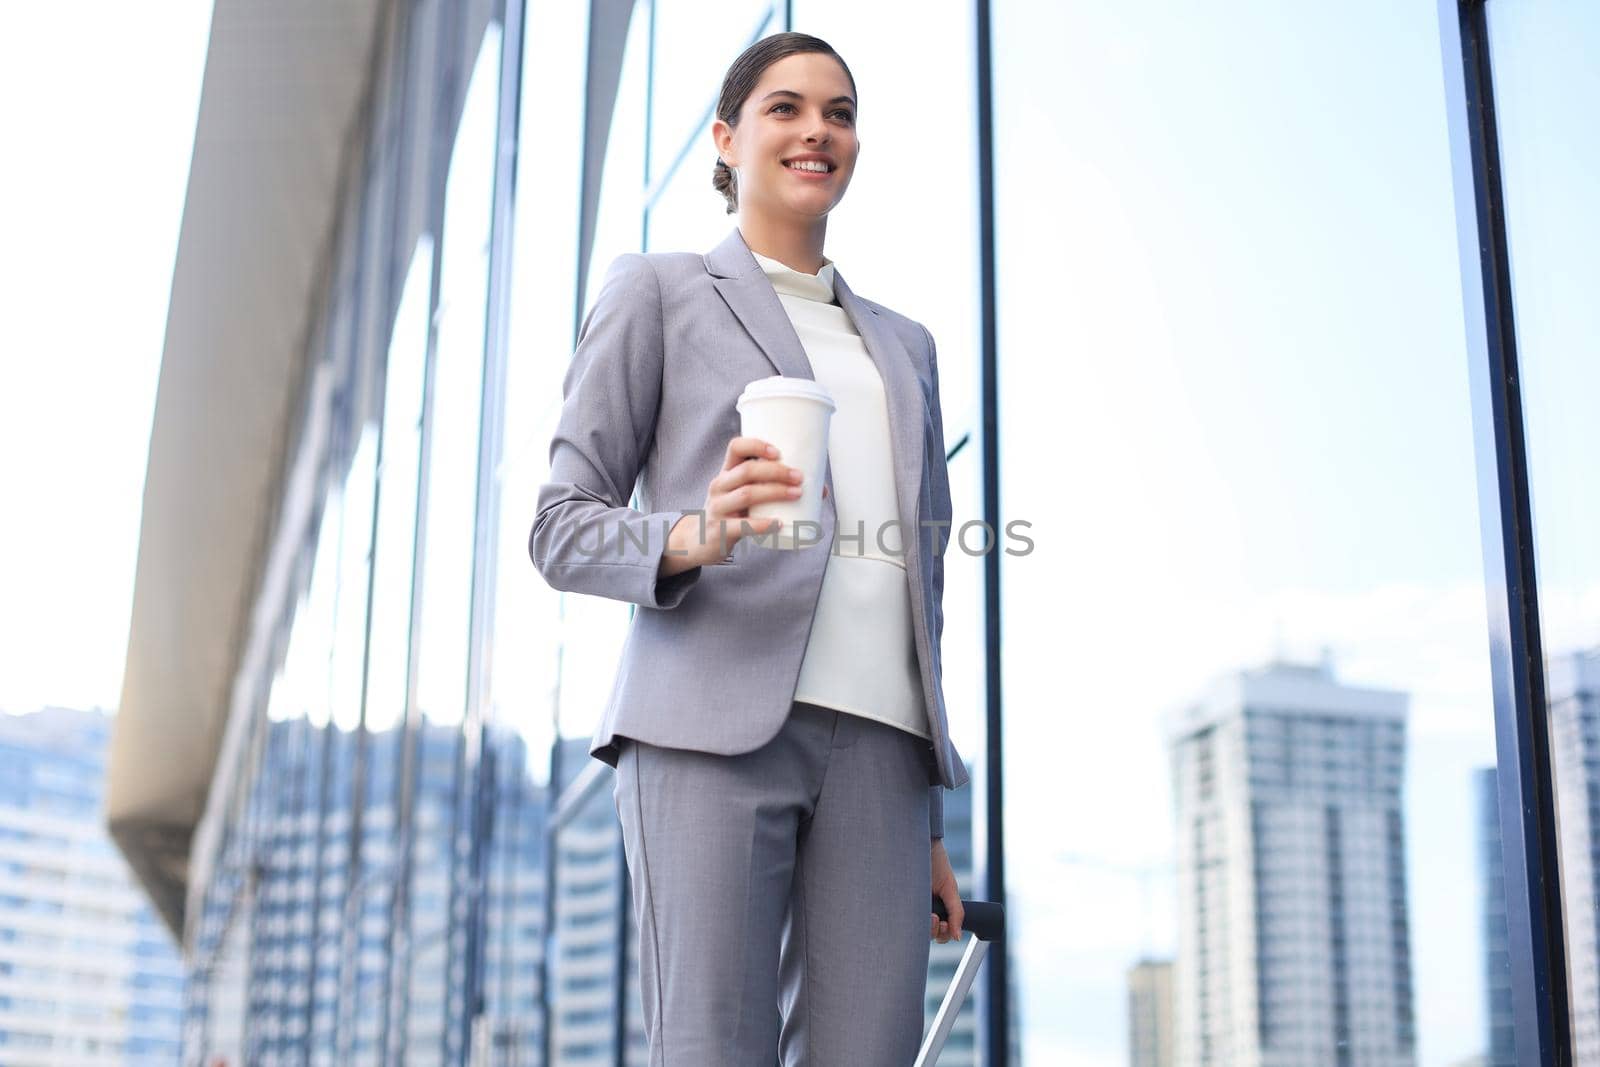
777 722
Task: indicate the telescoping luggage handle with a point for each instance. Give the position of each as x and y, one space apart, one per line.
983 919
986 922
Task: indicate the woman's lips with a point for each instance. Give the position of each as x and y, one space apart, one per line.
814 175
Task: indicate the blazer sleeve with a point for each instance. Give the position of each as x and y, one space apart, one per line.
939 499
585 537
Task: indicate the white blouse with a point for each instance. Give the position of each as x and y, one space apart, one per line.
862 656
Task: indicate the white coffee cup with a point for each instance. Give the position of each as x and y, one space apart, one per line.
791 414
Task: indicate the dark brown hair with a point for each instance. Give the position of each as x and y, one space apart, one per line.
740 82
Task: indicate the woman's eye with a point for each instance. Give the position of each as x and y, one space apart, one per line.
842 112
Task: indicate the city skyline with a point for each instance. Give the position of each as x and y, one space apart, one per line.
1294 945
88 975
1249 520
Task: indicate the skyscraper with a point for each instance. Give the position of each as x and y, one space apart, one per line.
1496 947
1572 689
87 974
1150 1014
1293 938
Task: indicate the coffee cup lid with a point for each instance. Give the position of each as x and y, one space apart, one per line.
780 385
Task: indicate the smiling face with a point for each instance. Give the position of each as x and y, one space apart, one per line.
802 108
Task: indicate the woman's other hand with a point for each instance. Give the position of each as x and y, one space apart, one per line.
752 473
944 887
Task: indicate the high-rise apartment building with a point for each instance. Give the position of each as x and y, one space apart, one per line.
1572 689
1501 1044
1150 1014
87 974
1293 931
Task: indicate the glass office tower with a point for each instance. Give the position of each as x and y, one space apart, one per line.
1498 1026
1206 367
1294 943
87 975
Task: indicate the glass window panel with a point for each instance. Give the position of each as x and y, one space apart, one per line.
582 1020
527 623
688 214
226 981
365 989
619 222
297 713
337 748
589 880
397 498
456 397
435 1008
691 52
593 627
284 793
373 323
355 564
1246 685
1545 88
915 168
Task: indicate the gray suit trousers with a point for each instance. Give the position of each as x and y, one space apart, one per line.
782 895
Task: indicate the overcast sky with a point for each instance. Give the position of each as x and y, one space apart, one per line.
1235 396
100 104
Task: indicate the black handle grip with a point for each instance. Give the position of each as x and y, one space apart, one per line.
983 919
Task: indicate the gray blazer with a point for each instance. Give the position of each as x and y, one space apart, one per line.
712 655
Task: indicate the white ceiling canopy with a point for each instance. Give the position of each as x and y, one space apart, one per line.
282 94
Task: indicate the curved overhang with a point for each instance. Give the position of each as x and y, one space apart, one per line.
281 98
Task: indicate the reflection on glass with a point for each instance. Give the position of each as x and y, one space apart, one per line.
355 563
433 961
1246 688
618 223
389 643
1545 86
514 902
291 776
369 917
526 633
348 650
456 399
590 883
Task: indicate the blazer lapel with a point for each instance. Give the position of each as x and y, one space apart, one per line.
743 284
903 394
749 294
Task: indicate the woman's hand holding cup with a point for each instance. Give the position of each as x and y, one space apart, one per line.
752 473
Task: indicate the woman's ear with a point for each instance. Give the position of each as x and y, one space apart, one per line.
722 137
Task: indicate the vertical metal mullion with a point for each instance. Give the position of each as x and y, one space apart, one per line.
341 438
445 56
356 402
994 1007
1527 802
249 859
467 869
649 127
490 447
620 986
399 794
